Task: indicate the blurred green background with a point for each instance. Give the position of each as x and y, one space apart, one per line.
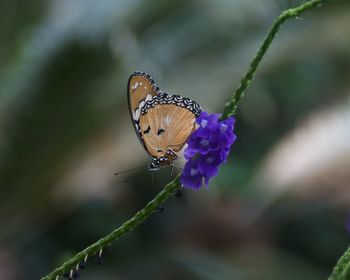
277 209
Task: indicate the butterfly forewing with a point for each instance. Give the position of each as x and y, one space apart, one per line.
141 88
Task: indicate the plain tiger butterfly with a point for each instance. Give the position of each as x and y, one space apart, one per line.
162 122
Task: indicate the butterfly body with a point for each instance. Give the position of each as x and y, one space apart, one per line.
162 122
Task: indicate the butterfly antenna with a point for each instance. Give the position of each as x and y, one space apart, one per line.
128 170
177 166
153 179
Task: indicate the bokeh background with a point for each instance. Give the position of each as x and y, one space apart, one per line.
277 210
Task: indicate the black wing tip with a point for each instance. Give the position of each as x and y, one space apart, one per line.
139 73
143 74
148 77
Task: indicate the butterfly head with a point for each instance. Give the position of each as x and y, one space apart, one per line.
157 162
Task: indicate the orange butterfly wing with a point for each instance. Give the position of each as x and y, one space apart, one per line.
162 122
141 88
166 125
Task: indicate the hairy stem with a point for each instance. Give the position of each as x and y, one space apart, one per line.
175 185
342 269
129 225
231 106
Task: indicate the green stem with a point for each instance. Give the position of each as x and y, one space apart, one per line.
231 106
170 188
129 225
342 269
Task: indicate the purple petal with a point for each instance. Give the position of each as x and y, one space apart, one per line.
191 177
208 147
208 164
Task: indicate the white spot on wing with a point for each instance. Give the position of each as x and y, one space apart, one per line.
167 120
142 103
148 97
135 85
136 114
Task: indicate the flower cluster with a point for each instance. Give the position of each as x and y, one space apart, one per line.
208 147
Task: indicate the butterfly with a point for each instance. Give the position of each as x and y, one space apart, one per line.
162 122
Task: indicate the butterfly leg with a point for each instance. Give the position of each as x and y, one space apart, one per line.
174 153
154 182
173 166
154 179
177 166
171 170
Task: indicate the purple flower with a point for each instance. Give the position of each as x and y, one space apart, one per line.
208 147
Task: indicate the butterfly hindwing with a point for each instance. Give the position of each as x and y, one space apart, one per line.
166 122
166 127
